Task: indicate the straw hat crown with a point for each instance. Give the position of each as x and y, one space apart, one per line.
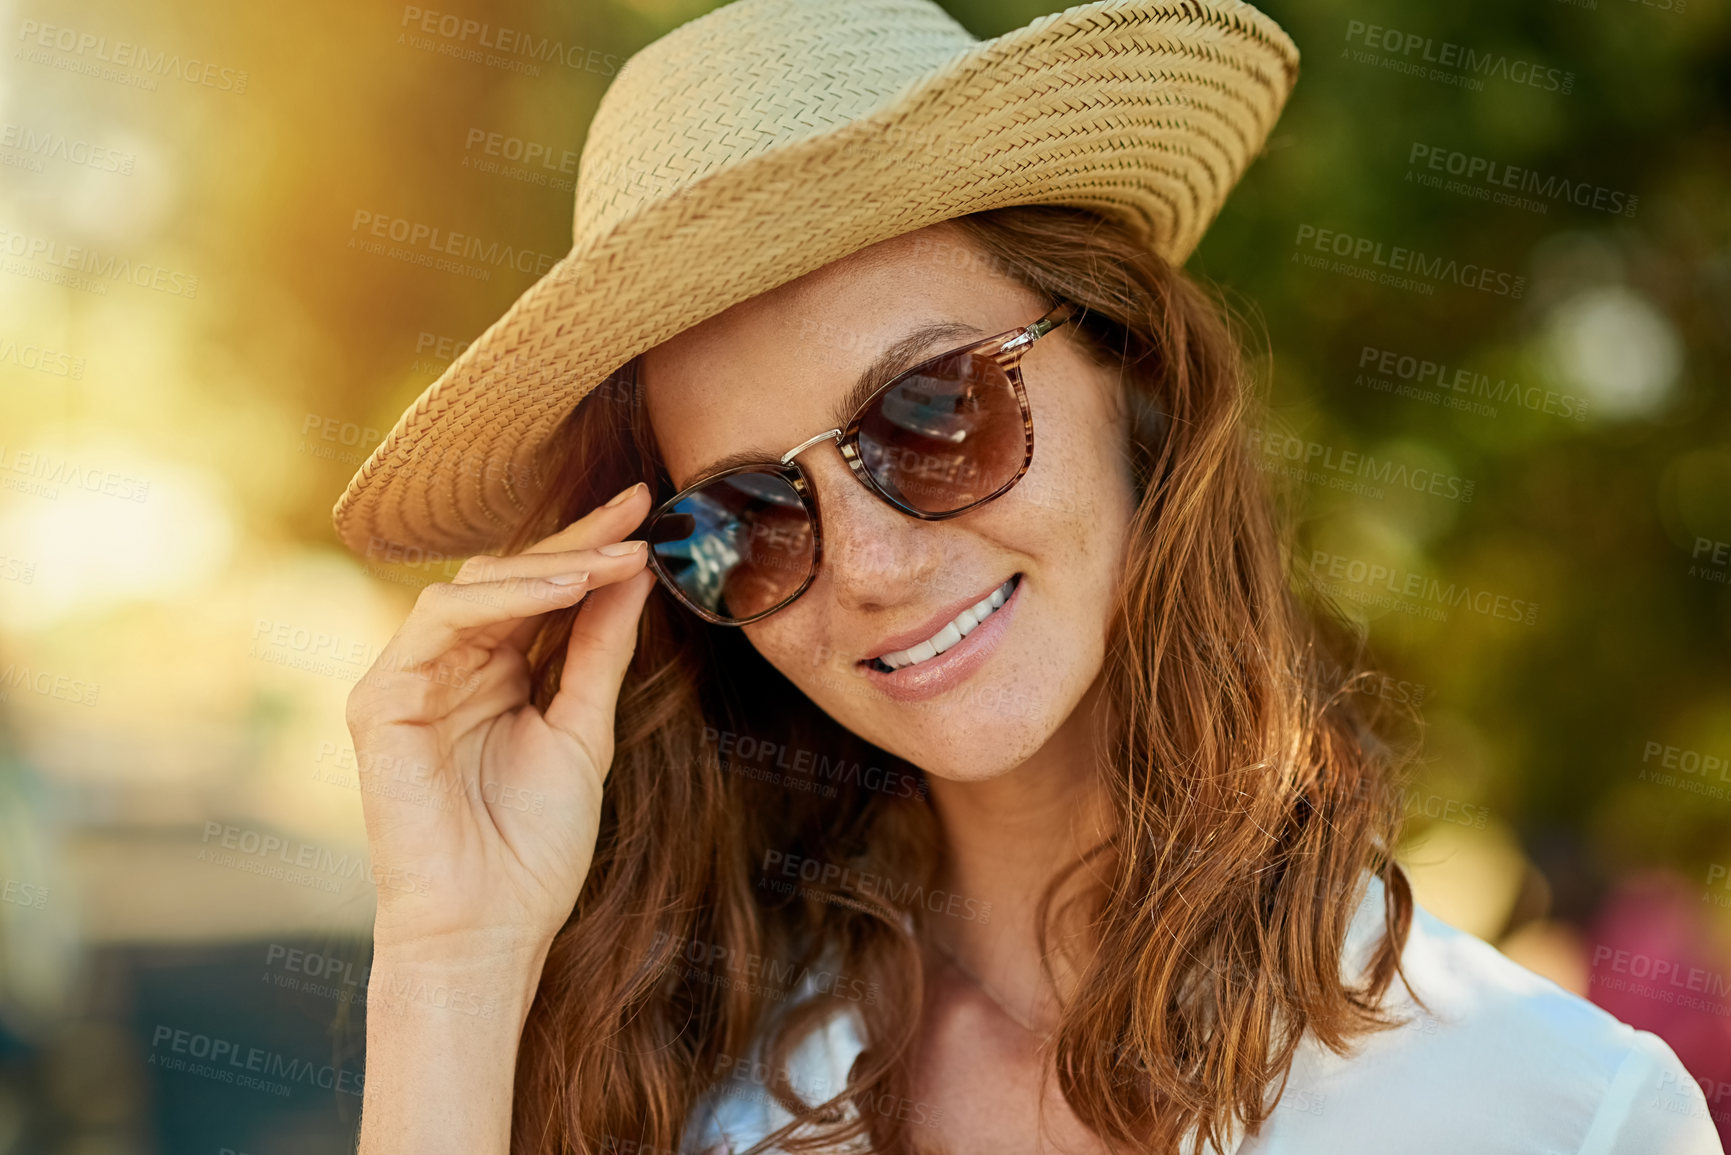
745 78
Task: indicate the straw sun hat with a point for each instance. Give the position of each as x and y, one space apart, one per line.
770 137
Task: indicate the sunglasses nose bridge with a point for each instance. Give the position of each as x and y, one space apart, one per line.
849 455
808 443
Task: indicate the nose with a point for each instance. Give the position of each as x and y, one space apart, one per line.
874 555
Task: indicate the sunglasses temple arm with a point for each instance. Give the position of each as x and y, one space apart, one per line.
1040 328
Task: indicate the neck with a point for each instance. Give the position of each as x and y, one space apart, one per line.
1005 839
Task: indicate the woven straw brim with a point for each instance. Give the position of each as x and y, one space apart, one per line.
1146 112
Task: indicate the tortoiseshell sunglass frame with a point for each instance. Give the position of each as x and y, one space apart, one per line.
1006 348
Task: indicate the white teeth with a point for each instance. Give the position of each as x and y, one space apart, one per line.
954 631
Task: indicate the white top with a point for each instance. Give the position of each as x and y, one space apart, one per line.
1507 1062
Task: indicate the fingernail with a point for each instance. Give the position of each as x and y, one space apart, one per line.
622 548
622 495
570 579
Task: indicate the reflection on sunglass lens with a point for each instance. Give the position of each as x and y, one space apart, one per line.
738 546
947 435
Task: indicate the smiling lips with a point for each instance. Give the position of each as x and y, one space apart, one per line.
951 632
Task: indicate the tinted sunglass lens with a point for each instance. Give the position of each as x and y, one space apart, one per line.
738 546
947 436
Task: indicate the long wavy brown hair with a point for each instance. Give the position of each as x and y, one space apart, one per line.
1249 781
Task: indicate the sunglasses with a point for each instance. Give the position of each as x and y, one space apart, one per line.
946 436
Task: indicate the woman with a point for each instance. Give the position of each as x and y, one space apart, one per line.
812 759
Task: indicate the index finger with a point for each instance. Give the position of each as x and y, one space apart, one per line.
601 525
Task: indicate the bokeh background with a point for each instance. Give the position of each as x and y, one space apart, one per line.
1511 461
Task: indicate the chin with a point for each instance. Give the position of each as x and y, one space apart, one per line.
987 755
980 730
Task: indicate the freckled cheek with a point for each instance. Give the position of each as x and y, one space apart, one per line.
798 645
1057 506
1044 492
1074 532
779 645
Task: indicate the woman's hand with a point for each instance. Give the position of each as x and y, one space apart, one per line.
482 811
